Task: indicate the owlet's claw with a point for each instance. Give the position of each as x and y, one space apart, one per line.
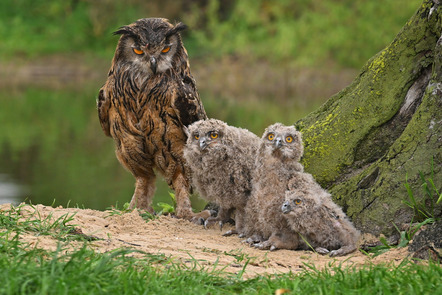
206 223
229 233
321 250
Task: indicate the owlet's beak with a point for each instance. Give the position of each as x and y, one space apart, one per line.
286 208
278 142
153 65
203 143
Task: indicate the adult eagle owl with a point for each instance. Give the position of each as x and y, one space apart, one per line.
148 99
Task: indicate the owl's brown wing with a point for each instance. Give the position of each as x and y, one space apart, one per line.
187 103
103 105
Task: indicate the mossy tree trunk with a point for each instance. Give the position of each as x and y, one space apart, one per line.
364 141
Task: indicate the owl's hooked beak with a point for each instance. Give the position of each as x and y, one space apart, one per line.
153 65
203 143
286 208
278 142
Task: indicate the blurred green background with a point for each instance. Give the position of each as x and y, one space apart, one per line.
255 63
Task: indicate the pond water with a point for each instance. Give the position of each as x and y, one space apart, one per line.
53 152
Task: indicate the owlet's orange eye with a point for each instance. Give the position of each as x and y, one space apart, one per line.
166 49
271 136
138 51
289 139
196 136
298 201
214 135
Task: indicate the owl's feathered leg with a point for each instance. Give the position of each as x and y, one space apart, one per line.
222 217
183 205
144 192
240 217
239 224
130 157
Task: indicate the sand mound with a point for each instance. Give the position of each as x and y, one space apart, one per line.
184 242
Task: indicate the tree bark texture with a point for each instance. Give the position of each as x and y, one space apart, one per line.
365 140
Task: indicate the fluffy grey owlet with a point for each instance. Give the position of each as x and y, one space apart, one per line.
222 159
311 212
277 160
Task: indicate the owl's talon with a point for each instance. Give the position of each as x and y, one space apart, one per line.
338 252
259 246
322 250
198 220
201 221
229 233
209 222
248 241
266 245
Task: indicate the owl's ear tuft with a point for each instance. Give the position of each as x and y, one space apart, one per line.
122 31
176 29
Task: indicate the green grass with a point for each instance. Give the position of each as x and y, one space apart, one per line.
26 269
86 272
424 208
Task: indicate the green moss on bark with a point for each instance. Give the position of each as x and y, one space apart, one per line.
365 140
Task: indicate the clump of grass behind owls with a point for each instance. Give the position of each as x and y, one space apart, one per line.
221 158
311 212
277 160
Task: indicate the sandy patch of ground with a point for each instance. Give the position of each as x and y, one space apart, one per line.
184 241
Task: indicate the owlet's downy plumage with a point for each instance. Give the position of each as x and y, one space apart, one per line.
288 206
311 213
222 159
277 161
148 99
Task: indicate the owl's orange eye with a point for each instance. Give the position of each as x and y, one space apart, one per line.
289 139
271 136
214 135
298 201
138 51
166 49
196 136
